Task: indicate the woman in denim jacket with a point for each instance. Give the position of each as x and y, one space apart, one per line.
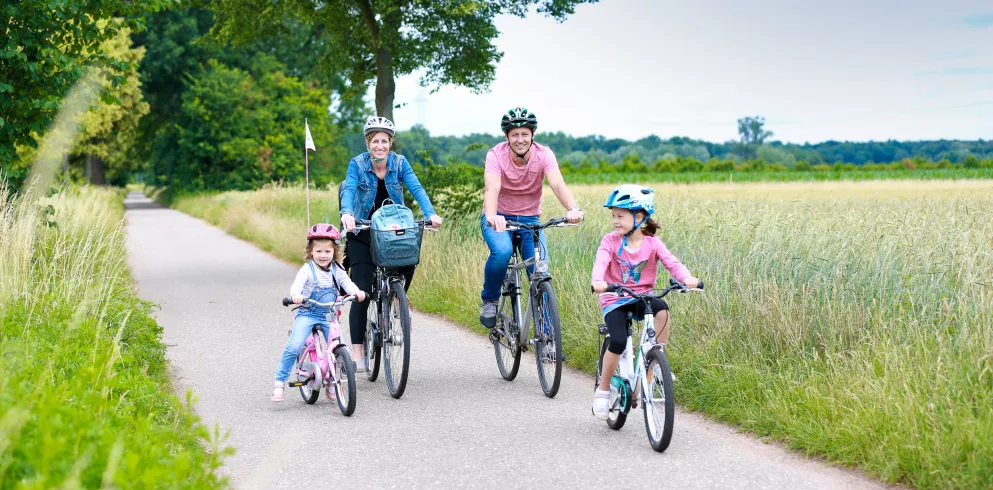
373 177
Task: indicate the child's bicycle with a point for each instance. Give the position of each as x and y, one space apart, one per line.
315 367
647 379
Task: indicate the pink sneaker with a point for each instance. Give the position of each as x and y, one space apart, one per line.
277 393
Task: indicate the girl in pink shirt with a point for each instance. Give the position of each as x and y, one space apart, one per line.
630 256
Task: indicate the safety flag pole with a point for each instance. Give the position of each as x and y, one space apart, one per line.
308 145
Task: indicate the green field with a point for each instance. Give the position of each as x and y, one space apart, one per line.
851 321
787 176
85 396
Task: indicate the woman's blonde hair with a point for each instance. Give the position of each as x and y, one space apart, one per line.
337 256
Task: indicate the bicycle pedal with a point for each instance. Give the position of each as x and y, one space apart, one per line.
296 384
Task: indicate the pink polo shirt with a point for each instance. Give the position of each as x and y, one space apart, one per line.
520 186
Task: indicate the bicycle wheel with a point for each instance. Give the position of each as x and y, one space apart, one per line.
547 339
396 340
305 367
659 403
345 377
504 336
373 344
617 416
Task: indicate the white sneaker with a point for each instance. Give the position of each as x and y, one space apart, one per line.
601 404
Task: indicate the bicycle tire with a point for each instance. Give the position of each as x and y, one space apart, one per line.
372 346
508 358
547 339
345 375
396 340
616 417
659 429
307 357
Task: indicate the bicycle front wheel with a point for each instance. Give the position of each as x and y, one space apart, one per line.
373 341
659 403
547 339
396 340
344 390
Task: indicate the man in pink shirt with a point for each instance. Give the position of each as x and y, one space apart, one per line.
515 170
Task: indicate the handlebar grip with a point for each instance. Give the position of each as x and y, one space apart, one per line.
700 285
287 301
613 288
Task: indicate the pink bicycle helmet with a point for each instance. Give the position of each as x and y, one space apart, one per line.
324 231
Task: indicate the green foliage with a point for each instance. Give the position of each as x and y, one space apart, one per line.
45 50
109 131
241 130
85 395
451 41
456 189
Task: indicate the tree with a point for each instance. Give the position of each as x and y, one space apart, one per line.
382 39
110 130
45 50
752 130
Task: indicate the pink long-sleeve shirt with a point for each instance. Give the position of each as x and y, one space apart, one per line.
637 269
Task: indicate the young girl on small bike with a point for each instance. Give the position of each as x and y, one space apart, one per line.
319 280
629 256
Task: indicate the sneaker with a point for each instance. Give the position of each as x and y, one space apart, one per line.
277 393
359 366
487 314
601 404
329 393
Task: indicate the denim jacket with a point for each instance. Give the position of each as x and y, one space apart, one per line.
359 189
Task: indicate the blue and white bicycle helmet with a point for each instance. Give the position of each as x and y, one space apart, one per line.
634 198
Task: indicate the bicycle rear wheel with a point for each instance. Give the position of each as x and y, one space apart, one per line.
373 344
305 367
617 415
345 377
396 340
547 339
504 336
659 403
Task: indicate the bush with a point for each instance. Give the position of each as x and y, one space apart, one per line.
802 166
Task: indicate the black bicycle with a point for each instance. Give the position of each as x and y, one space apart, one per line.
511 334
388 324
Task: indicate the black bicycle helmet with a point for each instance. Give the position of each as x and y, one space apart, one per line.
518 117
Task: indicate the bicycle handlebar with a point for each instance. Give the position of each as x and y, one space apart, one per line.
552 223
674 285
365 224
307 302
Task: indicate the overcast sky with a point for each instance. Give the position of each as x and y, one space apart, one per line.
816 70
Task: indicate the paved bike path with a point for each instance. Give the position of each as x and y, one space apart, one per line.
458 424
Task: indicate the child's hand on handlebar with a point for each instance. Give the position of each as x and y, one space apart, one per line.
360 296
599 287
691 282
297 298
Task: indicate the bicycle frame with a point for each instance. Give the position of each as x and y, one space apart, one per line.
633 370
318 353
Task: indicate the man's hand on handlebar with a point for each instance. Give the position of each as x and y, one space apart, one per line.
499 223
574 216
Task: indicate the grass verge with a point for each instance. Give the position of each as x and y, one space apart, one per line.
85 395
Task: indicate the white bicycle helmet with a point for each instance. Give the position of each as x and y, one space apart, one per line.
379 123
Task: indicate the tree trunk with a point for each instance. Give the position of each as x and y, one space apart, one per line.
94 170
385 84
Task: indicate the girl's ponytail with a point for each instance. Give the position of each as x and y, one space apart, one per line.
650 227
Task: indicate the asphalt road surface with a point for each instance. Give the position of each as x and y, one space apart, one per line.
459 424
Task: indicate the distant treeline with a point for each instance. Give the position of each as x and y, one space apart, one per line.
680 152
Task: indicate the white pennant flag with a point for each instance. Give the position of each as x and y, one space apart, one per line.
309 144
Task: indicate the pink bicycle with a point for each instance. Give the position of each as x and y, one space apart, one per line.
326 365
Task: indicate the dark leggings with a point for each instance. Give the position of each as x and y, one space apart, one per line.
616 322
361 269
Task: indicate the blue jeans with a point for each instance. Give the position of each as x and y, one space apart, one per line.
501 248
298 338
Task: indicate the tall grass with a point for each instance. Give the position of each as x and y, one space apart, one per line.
788 176
85 396
852 321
